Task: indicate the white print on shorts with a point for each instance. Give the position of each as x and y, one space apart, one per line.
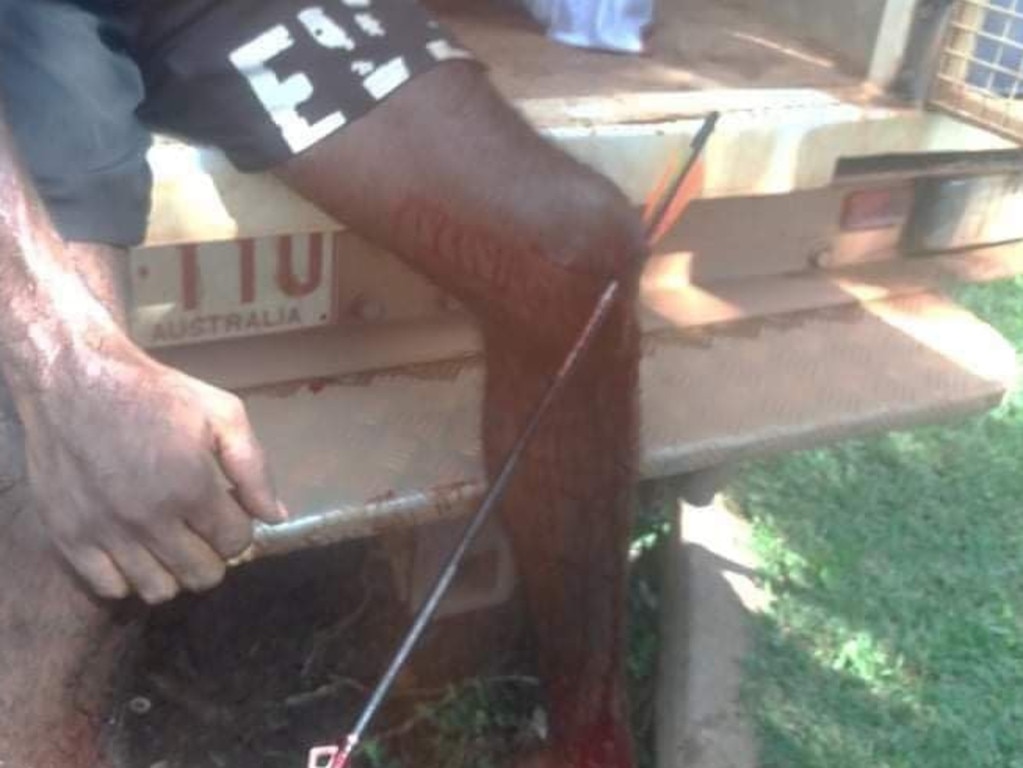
386 78
370 24
362 67
325 30
279 97
442 50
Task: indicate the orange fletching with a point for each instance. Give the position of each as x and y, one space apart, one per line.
688 191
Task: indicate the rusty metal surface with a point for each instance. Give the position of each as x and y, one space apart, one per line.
361 454
419 326
787 382
695 44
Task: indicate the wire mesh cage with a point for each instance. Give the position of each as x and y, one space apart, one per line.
980 72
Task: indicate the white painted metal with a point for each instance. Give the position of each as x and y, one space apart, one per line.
767 143
892 38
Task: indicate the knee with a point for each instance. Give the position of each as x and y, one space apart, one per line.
586 237
593 230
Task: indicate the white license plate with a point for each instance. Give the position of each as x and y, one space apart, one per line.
198 293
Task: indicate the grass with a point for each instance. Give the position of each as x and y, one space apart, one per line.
896 566
475 724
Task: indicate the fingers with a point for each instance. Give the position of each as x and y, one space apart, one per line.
158 565
157 555
243 462
188 559
224 527
146 575
178 560
99 572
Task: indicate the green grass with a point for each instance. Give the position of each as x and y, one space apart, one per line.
474 724
896 567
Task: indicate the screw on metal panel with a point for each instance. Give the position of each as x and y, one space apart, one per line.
822 257
368 309
450 303
140 705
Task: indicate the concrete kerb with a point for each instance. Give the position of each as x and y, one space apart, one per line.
709 592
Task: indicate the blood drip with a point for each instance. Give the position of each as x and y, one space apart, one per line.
606 745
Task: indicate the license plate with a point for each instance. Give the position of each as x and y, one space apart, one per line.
199 293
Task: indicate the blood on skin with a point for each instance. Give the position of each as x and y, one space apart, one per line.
605 742
496 277
603 747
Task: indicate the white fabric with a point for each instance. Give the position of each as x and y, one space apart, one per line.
610 25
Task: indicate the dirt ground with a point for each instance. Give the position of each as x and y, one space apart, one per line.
283 656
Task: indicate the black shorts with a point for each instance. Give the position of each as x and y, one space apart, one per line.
84 82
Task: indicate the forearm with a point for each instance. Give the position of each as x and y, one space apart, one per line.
48 310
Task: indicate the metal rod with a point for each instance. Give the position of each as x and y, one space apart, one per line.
493 496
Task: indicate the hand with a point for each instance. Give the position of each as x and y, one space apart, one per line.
148 480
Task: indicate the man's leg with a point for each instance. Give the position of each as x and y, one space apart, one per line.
57 644
568 516
449 177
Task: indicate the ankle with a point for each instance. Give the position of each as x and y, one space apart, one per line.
592 732
608 744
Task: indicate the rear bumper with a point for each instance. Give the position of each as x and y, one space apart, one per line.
362 454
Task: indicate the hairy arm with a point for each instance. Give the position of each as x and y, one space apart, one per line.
146 478
46 305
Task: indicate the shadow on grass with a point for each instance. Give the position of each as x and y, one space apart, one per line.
896 564
811 715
